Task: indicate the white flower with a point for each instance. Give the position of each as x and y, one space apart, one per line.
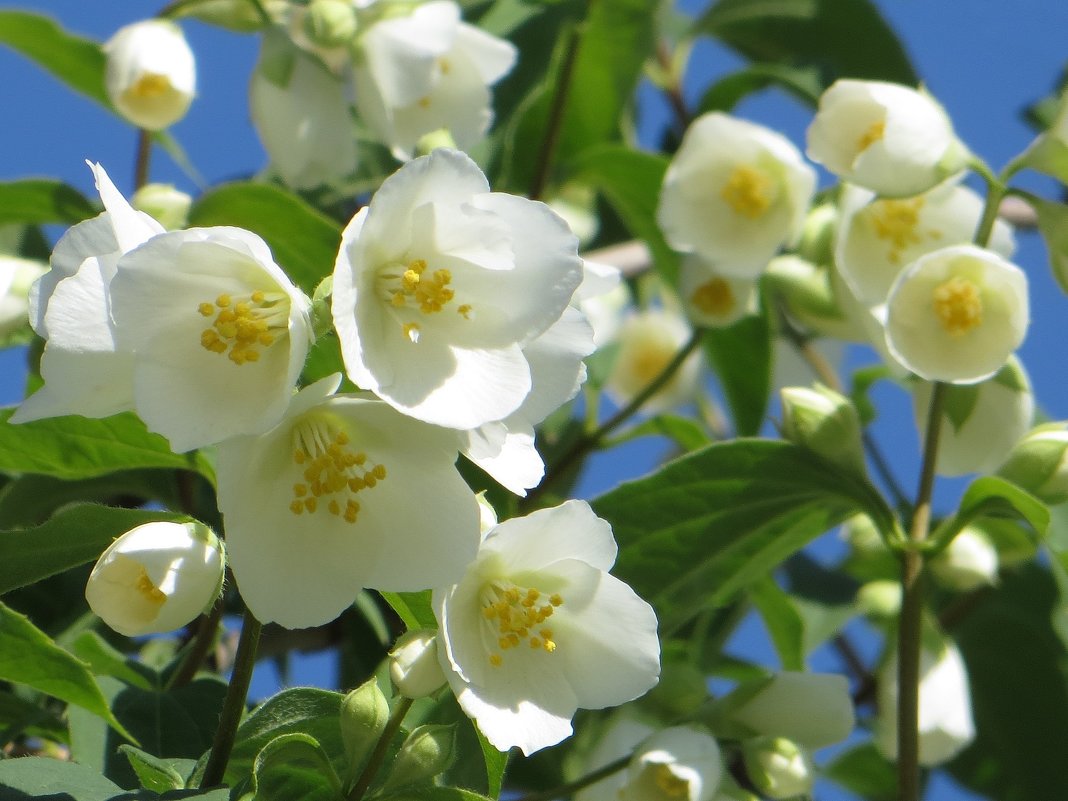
156 577
218 332
879 237
734 194
602 297
945 723
778 768
891 139
414 666
980 422
425 71
624 732
681 762
812 709
343 493
150 74
970 561
648 341
302 114
83 370
16 277
440 285
537 629
712 299
957 314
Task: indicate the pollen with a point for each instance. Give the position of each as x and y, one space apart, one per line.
244 326
330 470
897 222
872 134
148 590
714 297
415 288
749 191
958 306
514 617
149 85
672 785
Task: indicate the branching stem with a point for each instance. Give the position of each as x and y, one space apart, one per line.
374 762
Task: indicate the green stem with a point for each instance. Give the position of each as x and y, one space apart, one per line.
911 617
202 642
234 705
378 756
589 441
144 155
572 787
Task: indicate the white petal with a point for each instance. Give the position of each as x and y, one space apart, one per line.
493 58
556 367
131 227
508 456
88 384
544 537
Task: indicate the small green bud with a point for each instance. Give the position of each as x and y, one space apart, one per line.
428 751
970 561
777 767
330 23
880 599
681 690
364 714
826 423
414 666
169 206
430 142
817 234
1038 463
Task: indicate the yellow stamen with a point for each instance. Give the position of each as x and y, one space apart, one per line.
245 327
749 191
871 135
897 221
149 590
958 306
714 297
150 85
513 614
672 786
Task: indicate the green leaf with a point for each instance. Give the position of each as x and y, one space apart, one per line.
74 536
42 201
29 656
105 660
683 431
1053 225
741 356
496 762
991 496
154 773
19 716
295 766
781 618
1021 726
413 608
38 777
708 525
727 92
76 447
630 181
840 38
436 794
304 241
864 772
76 61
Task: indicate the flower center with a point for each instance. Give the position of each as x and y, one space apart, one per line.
150 85
672 785
149 591
244 326
413 287
872 134
958 306
896 221
331 471
749 191
515 615
714 297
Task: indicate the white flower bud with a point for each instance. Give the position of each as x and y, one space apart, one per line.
677 763
414 666
712 299
165 204
957 314
156 578
825 422
880 599
330 23
970 561
891 139
812 709
16 277
1038 463
151 74
777 767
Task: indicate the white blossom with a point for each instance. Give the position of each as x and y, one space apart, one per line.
970 561
16 277
648 341
812 709
712 299
150 74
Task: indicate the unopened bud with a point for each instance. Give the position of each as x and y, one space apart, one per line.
414 666
826 423
364 714
968 562
428 751
16 277
151 73
164 203
777 767
880 599
330 23
1037 463
812 709
817 234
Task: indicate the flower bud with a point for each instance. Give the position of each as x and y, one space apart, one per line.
150 75
16 277
825 422
156 578
970 561
812 709
428 751
414 666
167 205
817 234
677 763
364 714
712 299
777 767
880 599
330 23
1038 464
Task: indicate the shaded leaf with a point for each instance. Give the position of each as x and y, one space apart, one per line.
153 772
782 620
865 772
741 357
683 431
295 766
413 608
42 201
38 777
76 61
727 92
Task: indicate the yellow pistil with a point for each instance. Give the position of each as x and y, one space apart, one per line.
958 306
514 615
897 222
148 590
871 135
149 85
714 297
330 471
749 191
244 327
671 785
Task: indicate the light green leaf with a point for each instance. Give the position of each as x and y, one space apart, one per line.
782 620
683 431
295 766
1053 225
865 772
29 656
413 608
154 773
304 241
105 660
709 524
38 777
991 496
496 762
74 536
42 201
76 61
741 357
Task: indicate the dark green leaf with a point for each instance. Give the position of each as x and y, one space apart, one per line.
295 766
865 772
741 356
29 656
413 608
727 92
77 62
38 777
840 38
683 431
304 242
496 762
154 773
42 201
995 497
709 524
436 794
781 619
74 536
19 716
